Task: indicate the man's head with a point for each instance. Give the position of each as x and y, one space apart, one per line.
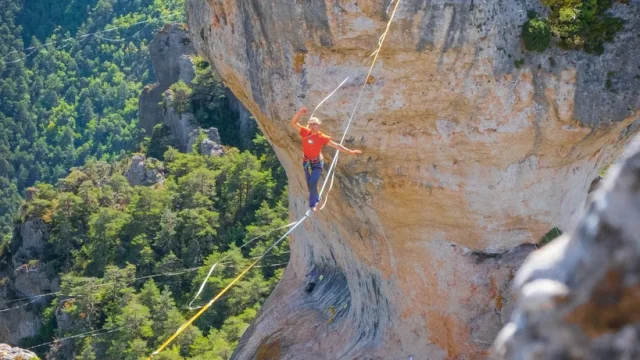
314 123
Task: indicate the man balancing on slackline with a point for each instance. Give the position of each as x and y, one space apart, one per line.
312 142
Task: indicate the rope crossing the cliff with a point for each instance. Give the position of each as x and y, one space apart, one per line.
227 256
217 297
334 162
308 214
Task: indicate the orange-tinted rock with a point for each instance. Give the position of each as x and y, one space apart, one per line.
466 161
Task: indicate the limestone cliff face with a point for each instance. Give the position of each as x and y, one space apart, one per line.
578 297
467 160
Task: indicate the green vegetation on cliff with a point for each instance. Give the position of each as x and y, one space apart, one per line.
578 24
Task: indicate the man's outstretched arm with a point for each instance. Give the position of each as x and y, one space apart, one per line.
294 121
339 147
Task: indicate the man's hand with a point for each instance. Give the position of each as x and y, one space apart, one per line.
294 121
339 147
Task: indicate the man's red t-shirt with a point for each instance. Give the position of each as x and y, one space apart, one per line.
312 143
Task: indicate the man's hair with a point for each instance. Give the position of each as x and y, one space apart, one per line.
315 120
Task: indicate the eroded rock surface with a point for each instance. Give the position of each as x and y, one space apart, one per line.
144 172
18 324
32 239
12 353
465 155
578 297
210 145
169 52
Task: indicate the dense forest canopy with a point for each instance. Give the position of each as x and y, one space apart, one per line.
70 76
129 255
129 258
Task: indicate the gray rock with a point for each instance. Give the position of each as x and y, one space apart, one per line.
31 193
181 124
150 112
31 280
64 319
169 52
66 324
18 323
33 235
578 296
209 146
166 49
13 353
144 172
187 69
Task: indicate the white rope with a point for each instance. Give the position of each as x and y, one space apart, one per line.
226 257
95 34
34 298
334 162
328 96
295 225
20 59
92 333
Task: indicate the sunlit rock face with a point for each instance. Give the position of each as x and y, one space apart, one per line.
469 156
578 297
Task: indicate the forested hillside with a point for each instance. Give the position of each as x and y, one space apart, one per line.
70 76
132 258
129 259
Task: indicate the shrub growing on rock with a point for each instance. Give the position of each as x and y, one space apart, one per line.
536 34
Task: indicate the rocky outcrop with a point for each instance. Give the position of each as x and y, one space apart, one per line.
181 124
33 280
17 324
210 145
463 153
66 324
187 69
169 52
578 296
210 148
144 172
30 243
185 130
12 353
64 320
28 247
25 277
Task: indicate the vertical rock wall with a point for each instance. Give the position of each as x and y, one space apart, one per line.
468 160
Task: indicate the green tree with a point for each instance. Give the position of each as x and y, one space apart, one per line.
160 141
105 238
536 34
180 97
583 25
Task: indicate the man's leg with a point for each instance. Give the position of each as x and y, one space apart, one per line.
316 172
307 175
